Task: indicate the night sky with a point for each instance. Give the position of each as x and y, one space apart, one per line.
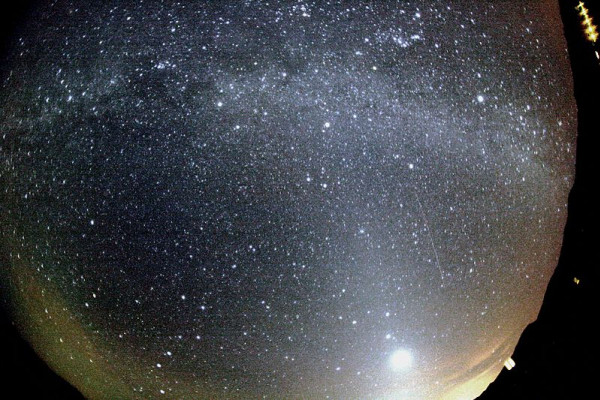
283 199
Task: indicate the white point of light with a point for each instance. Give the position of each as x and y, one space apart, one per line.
480 98
509 364
401 360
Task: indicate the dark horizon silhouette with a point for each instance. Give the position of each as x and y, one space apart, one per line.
556 355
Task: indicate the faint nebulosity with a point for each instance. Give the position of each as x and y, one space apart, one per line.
283 199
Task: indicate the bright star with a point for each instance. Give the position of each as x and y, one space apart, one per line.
401 360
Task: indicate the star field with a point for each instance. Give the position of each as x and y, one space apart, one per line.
283 199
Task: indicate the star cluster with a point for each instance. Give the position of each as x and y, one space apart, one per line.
283 199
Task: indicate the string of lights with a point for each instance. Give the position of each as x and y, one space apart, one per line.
589 28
